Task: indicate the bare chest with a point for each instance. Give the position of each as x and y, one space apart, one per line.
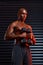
22 25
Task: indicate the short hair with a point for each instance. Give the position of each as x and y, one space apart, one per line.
20 10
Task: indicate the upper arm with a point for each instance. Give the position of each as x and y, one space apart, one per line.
32 35
9 30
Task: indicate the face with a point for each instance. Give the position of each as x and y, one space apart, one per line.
23 15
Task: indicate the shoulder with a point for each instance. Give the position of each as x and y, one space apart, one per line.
29 26
12 24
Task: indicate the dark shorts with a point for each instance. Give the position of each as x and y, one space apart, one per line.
21 55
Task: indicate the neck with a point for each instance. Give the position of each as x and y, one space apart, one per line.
20 20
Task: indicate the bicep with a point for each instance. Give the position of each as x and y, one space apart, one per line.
32 35
9 29
33 38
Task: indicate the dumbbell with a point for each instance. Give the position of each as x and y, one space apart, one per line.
28 41
23 40
25 30
16 29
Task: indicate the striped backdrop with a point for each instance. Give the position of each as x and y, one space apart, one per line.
8 13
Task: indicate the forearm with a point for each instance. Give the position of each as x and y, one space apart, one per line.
32 38
13 36
9 36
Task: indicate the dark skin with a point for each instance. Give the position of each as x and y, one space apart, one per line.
20 23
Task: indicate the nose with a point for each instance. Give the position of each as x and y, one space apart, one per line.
25 15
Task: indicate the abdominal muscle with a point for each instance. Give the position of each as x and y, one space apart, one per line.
20 26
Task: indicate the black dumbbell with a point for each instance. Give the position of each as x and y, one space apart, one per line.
25 30
23 40
29 42
16 29
28 31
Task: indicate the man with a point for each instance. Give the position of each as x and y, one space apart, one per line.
23 34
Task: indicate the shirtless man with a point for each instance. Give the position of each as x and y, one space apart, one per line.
15 31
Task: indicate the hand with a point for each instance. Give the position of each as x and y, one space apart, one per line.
29 35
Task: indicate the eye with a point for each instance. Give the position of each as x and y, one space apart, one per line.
24 13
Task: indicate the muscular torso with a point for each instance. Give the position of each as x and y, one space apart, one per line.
19 26
14 31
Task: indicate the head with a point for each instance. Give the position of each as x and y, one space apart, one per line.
22 14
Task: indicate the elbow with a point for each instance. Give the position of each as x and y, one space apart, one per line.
5 37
